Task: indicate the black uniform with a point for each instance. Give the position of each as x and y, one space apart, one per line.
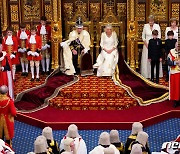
53 146
155 53
169 44
119 146
129 141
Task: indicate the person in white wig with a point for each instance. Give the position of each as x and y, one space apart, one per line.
115 140
136 149
41 146
69 146
80 145
104 142
108 151
142 139
48 134
136 128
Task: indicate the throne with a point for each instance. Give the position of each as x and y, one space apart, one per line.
118 27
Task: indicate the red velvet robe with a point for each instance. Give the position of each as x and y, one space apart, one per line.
15 60
38 46
19 41
7 113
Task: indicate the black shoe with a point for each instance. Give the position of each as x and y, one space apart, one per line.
48 72
26 74
23 74
37 79
14 80
157 81
32 79
43 72
176 104
152 80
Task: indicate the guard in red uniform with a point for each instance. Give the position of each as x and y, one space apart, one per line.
34 45
22 36
44 31
5 71
10 45
7 113
174 63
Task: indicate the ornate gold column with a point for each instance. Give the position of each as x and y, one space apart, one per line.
4 15
132 34
56 32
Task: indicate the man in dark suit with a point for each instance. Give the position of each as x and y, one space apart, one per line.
155 54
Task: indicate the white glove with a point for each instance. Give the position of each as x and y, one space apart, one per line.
36 54
20 50
85 51
29 53
44 48
12 56
24 49
62 44
1 68
33 54
47 46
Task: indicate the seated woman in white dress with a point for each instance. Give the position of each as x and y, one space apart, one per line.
108 58
173 27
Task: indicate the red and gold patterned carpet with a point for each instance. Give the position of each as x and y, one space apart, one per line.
89 93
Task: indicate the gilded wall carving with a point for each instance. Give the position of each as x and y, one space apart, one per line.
121 10
68 10
159 10
48 11
14 13
31 10
15 27
141 12
140 29
95 11
82 6
163 28
175 10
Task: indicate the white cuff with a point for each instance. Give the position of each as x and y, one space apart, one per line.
24 49
62 44
2 68
85 50
20 50
12 56
44 47
47 46
29 53
36 54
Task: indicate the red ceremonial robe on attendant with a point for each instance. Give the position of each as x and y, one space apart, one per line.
36 46
174 76
6 75
14 49
48 31
7 113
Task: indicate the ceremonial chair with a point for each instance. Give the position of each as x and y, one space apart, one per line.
88 26
118 27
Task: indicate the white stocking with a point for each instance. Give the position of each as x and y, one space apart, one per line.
22 65
47 64
43 64
26 65
13 71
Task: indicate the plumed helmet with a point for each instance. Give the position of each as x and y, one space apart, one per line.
79 23
40 144
67 142
104 138
72 131
142 138
47 133
136 149
114 136
109 151
3 89
136 127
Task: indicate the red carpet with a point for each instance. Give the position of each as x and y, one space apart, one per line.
119 119
93 93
